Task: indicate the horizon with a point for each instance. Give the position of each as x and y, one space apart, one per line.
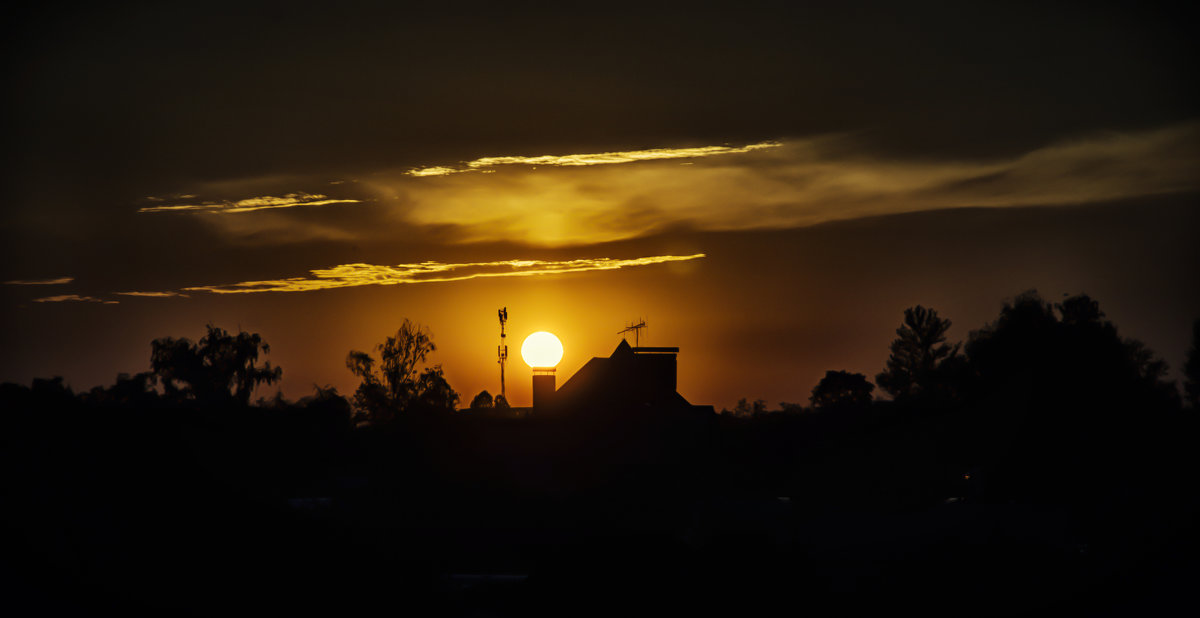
468 354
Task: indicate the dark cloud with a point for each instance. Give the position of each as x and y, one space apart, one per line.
54 281
73 298
189 91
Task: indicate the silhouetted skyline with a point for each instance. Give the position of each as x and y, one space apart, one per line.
1034 467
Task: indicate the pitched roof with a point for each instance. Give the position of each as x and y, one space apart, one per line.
626 378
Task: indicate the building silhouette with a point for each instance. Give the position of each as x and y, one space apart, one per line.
631 378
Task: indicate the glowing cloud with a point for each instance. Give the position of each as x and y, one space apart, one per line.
797 183
583 199
58 281
154 294
351 275
435 171
291 200
601 158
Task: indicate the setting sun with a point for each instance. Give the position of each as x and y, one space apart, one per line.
542 350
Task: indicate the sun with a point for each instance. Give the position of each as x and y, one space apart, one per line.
541 350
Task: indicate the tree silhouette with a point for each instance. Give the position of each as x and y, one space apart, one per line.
1067 348
394 384
1073 399
482 401
135 389
842 389
52 391
745 407
220 368
1010 344
917 354
1191 368
434 392
1080 310
326 409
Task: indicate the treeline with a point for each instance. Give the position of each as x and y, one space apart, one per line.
1047 351
1046 404
1045 386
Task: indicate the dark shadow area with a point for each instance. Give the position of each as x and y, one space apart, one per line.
1044 465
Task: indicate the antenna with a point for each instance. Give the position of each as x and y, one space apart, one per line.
636 328
502 350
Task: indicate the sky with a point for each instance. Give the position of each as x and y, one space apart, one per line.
767 187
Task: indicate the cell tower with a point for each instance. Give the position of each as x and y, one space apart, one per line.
636 328
502 350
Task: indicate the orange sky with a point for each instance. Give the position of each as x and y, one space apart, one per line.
762 315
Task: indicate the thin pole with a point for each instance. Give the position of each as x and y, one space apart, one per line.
502 351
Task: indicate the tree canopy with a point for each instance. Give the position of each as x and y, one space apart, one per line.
219 368
1063 350
918 353
842 389
396 383
482 401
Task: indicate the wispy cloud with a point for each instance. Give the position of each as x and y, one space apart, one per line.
352 275
599 158
58 281
154 294
66 298
291 200
435 171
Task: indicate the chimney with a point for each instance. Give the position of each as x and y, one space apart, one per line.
543 387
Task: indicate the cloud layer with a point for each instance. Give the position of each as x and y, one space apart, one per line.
602 158
794 184
291 200
581 199
352 275
154 294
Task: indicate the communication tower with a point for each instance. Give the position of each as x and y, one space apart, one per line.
502 350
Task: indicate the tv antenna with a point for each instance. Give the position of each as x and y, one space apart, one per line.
637 330
502 349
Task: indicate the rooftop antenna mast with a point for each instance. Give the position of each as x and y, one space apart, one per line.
502 350
637 329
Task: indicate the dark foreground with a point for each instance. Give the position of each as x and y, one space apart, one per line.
168 510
